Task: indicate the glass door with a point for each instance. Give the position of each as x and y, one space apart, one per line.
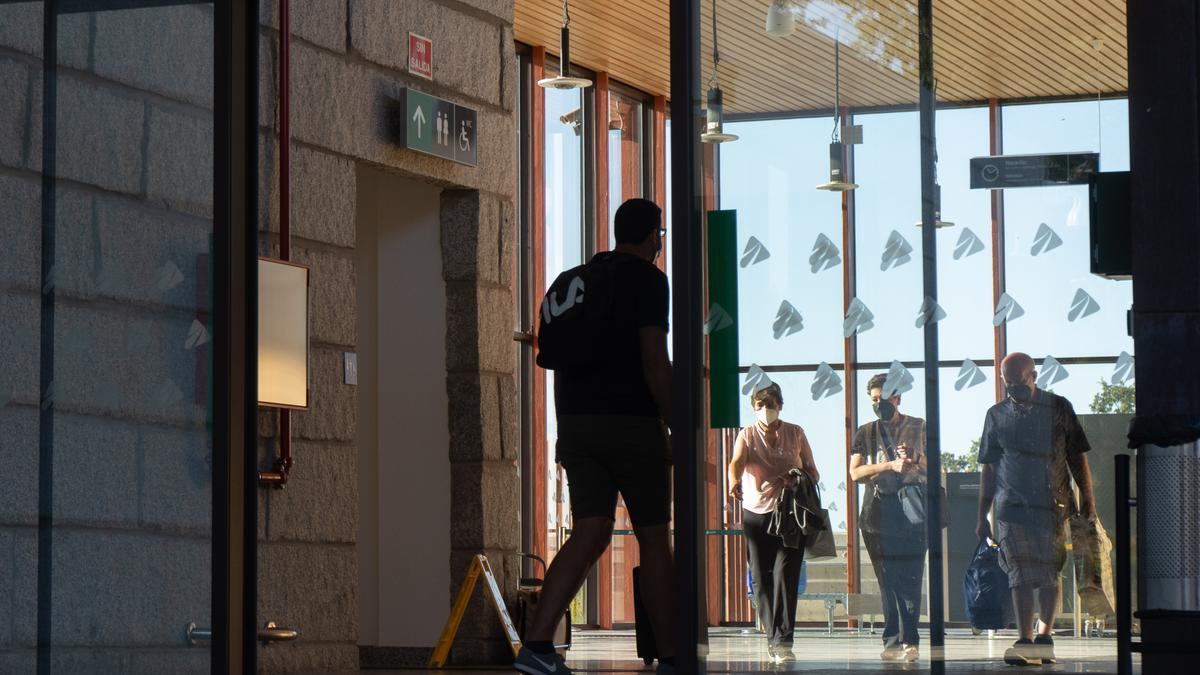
115 288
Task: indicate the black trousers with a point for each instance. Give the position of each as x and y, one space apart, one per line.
775 575
898 556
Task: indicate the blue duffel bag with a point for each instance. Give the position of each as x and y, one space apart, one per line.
985 590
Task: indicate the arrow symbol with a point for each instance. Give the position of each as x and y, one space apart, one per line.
419 118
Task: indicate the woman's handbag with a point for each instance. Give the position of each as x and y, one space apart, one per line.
820 544
870 517
912 503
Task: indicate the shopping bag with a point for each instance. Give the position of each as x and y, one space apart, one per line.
1093 566
985 590
820 544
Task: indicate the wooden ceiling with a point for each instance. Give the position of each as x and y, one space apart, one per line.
983 49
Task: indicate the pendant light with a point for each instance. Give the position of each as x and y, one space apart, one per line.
564 79
714 129
837 152
780 20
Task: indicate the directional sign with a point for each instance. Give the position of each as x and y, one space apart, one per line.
440 128
1013 171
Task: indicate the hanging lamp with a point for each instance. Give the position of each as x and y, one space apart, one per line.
564 79
714 130
780 20
837 150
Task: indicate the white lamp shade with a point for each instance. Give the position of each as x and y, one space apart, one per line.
780 20
282 334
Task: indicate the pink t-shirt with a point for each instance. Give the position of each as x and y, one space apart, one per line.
767 467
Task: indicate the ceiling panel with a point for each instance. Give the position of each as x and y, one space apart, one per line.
982 49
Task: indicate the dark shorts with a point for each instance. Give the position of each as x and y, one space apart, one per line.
1032 554
604 455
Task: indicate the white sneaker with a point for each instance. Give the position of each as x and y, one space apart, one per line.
910 653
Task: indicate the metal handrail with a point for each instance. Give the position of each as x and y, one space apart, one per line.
266 635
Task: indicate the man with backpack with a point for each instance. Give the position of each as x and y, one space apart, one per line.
603 331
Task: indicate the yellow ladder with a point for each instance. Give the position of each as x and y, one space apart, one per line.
479 564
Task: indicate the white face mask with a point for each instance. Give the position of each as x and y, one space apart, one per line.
767 415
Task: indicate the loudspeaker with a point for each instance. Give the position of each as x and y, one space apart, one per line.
1111 249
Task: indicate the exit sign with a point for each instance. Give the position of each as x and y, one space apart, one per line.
420 56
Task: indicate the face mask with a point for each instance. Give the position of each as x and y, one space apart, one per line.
767 415
884 410
1020 392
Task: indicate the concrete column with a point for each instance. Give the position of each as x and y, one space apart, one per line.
477 237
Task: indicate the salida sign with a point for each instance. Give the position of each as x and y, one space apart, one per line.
420 56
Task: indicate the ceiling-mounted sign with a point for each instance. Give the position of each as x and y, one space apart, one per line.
440 128
1014 171
420 56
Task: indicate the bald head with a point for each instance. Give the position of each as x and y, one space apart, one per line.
1018 367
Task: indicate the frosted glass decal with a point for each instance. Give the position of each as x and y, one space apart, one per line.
787 320
1124 370
168 276
755 379
826 383
825 254
755 253
48 397
968 244
167 394
896 252
1045 240
969 375
1052 372
718 319
898 381
842 486
832 505
859 318
197 335
930 312
50 281
1007 309
1082 306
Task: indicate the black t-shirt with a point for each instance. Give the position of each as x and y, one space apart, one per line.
618 387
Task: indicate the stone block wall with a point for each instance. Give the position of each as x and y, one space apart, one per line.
348 68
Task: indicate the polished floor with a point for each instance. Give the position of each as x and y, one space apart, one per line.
733 650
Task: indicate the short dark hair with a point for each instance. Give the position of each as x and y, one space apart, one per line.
771 391
876 382
635 220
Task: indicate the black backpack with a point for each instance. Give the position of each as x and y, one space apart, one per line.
576 318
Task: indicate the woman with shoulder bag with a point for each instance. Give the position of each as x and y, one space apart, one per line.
763 455
889 459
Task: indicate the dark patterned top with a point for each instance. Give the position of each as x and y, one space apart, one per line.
869 443
1029 445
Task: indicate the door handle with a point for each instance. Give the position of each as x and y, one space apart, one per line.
266 635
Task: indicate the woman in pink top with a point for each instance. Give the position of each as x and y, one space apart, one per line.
758 472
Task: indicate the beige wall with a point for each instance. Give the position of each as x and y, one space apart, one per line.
403 429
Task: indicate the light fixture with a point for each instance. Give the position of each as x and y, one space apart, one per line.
714 130
780 20
837 152
938 223
564 79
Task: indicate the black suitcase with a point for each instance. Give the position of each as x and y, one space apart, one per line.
643 630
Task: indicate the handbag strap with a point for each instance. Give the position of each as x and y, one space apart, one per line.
881 428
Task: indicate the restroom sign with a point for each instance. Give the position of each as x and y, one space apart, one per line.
420 56
440 128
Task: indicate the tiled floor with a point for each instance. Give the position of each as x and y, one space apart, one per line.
733 650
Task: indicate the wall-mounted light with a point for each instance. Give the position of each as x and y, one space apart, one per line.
780 20
564 79
714 129
282 334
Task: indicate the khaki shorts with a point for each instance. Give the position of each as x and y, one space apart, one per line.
607 455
